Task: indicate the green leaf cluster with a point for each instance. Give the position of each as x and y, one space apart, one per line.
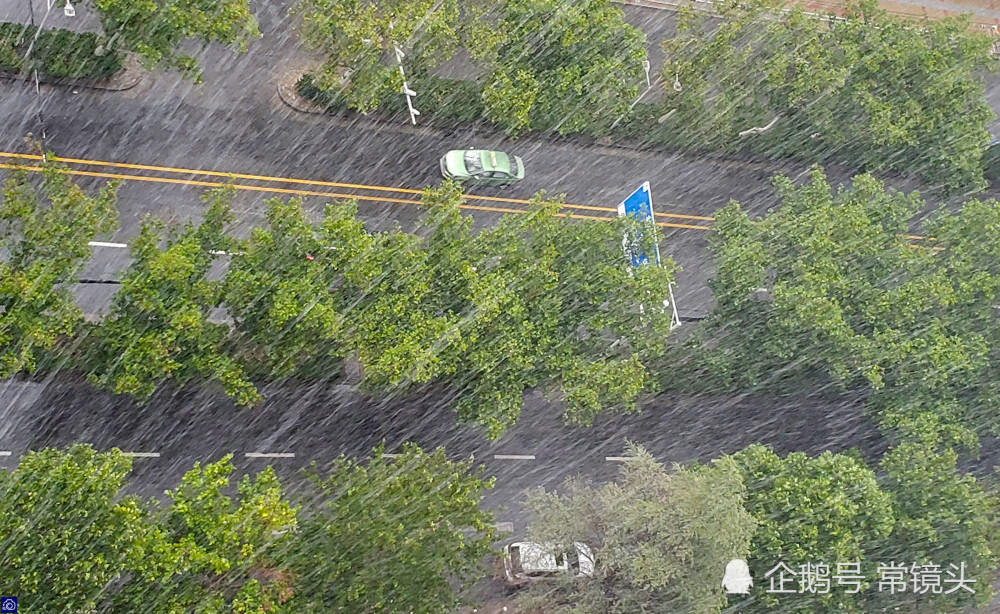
393 535
659 537
156 29
830 285
561 66
870 88
56 53
358 38
45 230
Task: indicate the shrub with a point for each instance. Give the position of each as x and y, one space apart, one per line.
56 53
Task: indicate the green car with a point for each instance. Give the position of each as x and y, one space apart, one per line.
482 167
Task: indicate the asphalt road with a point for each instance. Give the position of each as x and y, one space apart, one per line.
236 122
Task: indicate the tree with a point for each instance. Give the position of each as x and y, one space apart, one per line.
563 66
392 535
660 539
828 509
213 554
159 327
869 88
359 39
155 29
68 532
553 303
44 233
943 517
280 291
846 297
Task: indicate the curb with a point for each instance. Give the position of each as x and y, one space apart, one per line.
128 77
289 93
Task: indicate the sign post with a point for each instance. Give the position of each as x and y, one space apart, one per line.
639 204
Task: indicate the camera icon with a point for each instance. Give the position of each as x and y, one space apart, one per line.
8 605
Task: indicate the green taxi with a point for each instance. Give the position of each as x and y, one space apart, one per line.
482 167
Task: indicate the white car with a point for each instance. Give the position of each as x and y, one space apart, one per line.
526 562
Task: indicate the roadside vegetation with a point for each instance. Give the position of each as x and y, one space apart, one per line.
155 32
868 90
536 301
856 288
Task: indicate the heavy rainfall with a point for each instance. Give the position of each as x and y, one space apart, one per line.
527 306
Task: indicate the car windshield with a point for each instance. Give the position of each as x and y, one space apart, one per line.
473 161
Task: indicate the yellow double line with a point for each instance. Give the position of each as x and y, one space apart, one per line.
169 170
232 177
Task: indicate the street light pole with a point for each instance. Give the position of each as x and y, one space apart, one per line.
406 88
69 11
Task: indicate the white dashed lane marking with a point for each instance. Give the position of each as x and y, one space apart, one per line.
514 456
270 455
618 459
143 454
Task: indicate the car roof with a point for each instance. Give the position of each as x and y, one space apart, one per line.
541 557
497 161
536 557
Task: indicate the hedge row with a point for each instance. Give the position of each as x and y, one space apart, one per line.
442 100
56 53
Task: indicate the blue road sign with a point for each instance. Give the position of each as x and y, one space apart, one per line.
639 204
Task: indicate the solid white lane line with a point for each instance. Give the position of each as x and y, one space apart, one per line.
143 454
269 455
514 456
214 252
618 459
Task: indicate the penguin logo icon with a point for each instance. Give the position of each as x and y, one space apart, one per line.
737 580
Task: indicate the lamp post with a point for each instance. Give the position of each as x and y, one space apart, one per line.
68 11
406 88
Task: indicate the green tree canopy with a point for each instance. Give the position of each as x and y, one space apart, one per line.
552 302
159 327
660 539
562 66
830 284
869 88
359 39
209 553
279 291
44 234
67 530
823 510
155 29
392 535
943 517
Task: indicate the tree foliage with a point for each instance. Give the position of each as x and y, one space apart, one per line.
159 327
208 553
553 303
943 517
359 39
393 535
847 296
659 538
45 232
67 531
155 29
869 88
827 509
561 66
